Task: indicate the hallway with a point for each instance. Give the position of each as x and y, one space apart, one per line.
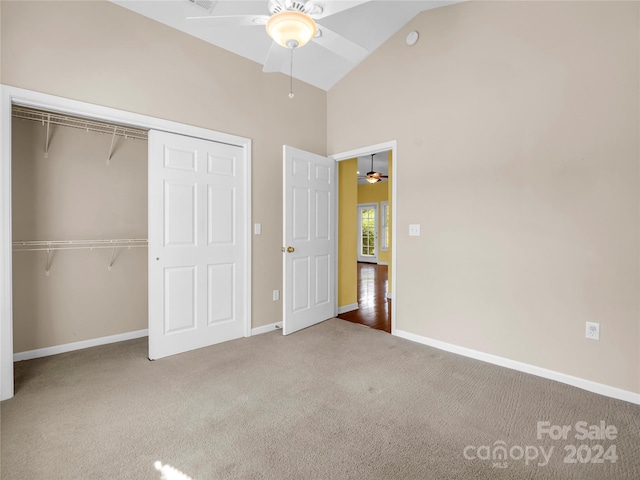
374 307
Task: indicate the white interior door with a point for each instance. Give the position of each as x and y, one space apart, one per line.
309 254
197 240
368 233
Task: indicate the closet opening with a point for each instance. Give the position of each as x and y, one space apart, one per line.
79 232
107 198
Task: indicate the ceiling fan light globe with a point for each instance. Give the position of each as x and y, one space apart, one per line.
291 29
372 179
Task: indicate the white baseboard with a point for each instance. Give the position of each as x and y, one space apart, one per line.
588 385
383 263
266 328
347 308
69 347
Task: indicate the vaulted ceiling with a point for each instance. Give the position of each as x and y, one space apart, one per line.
350 31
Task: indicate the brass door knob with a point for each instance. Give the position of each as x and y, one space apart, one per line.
291 249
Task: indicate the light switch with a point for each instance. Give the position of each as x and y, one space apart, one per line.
414 230
257 229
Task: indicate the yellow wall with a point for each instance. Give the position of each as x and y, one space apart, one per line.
347 232
372 192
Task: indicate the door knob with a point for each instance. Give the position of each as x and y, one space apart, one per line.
290 249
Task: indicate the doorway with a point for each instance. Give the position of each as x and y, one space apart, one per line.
365 289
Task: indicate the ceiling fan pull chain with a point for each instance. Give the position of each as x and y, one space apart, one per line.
291 75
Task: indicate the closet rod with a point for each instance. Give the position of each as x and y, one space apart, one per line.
89 125
50 245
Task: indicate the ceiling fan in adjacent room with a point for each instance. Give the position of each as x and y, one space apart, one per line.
292 24
373 176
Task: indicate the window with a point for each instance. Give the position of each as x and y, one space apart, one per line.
367 232
384 226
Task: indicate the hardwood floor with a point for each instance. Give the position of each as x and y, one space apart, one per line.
374 307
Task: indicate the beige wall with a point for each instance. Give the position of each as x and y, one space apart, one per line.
74 195
518 144
101 53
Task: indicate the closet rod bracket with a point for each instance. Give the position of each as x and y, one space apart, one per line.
113 254
113 140
49 257
46 140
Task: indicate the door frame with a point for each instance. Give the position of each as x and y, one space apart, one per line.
16 96
376 208
358 152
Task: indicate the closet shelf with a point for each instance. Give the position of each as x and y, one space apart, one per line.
51 118
51 245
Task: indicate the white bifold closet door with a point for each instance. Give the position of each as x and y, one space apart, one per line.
197 238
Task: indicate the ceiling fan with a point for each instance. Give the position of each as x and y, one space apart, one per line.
372 176
291 24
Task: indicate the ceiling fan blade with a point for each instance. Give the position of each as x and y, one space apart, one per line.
277 58
331 7
336 43
232 20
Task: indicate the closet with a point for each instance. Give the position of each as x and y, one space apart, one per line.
79 222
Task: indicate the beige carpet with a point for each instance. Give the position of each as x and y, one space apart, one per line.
335 401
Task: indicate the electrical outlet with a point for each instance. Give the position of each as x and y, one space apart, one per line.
276 295
414 230
593 331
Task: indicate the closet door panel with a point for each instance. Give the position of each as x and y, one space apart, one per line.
221 215
180 159
180 213
197 241
221 283
180 287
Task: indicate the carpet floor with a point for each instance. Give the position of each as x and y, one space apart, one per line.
334 401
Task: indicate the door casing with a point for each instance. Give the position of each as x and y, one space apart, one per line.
16 96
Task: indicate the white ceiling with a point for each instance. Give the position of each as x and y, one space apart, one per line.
367 23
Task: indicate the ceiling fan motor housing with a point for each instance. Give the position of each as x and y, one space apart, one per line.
311 8
276 6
